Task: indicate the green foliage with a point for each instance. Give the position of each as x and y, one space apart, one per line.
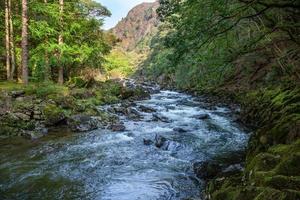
84 42
204 43
120 63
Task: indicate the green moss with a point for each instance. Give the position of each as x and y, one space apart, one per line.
273 157
263 162
289 165
286 149
53 114
10 86
283 182
236 193
42 90
270 194
22 105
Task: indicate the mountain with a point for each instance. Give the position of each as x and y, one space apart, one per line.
137 28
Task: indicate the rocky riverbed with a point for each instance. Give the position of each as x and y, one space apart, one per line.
162 147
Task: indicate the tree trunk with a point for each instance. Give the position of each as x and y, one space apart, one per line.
24 42
47 72
60 42
7 46
12 42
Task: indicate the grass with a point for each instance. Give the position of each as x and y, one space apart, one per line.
39 89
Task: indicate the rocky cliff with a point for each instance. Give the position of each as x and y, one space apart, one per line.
137 28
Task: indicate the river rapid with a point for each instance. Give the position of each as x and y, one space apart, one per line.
106 165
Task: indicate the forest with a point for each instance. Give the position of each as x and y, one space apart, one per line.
182 99
252 42
52 40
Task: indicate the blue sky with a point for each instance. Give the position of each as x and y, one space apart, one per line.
119 9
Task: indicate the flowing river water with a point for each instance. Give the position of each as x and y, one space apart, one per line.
108 165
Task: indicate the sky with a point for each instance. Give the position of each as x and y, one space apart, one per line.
119 9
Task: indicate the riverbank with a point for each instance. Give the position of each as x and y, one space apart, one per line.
35 110
273 154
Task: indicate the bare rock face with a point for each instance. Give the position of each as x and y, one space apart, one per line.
136 30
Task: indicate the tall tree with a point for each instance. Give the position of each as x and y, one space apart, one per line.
47 71
7 42
24 42
12 42
60 43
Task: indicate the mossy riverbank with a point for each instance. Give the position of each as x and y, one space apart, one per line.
273 154
34 110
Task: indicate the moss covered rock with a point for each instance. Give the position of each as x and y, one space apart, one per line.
54 114
273 155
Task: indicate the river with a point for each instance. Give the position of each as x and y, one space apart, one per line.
108 165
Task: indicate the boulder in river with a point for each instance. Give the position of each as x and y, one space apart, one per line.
179 130
146 109
133 114
117 127
206 170
171 146
82 123
147 142
159 141
159 117
202 116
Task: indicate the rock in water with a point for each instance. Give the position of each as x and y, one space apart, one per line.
82 123
117 127
159 141
146 109
158 117
202 116
147 142
179 130
207 170
171 146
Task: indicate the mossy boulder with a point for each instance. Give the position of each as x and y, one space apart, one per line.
54 115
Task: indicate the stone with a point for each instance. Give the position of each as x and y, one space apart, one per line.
22 116
120 110
170 107
232 169
117 127
133 114
146 109
147 142
159 117
83 123
159 141
16 94
202 116
171 146
206 170
41 129
54 115
37 112
33 135
20 99
37 117
179 130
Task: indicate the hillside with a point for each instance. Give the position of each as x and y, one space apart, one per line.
138 27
